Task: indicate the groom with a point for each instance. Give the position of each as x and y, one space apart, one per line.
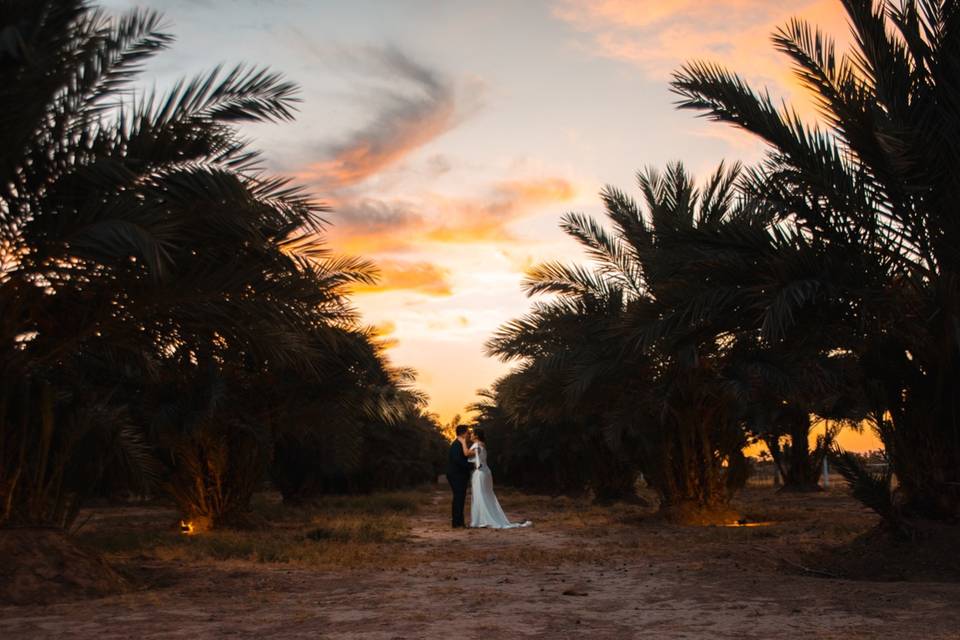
458 475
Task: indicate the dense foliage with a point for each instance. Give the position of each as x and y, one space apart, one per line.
863 242
595 360
822 282
159 293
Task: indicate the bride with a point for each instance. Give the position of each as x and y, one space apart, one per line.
485 509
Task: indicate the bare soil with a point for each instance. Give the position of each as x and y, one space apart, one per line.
579 572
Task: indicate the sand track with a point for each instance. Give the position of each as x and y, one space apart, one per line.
581 575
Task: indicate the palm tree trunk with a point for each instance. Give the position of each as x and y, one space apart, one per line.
924 447
801 473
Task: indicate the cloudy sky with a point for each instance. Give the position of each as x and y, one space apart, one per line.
450 136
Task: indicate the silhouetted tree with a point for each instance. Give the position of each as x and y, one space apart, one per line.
863 236
655 391
140 240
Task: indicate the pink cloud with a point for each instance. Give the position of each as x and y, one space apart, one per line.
658 36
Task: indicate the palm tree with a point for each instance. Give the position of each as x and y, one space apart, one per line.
139 231
565 394
602 344
864 237
542 443
358 428
784 389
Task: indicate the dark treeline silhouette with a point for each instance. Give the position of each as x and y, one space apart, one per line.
171 319
822 282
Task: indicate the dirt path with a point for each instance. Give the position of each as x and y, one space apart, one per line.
571 575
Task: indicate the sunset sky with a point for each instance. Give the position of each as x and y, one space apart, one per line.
449 137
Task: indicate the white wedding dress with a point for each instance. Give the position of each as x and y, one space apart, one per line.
485 510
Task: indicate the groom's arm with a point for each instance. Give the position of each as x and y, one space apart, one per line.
465 463
462 458
457 459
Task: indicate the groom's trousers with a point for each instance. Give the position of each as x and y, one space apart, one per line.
458 484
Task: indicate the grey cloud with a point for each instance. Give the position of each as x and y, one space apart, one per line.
411 103
368 215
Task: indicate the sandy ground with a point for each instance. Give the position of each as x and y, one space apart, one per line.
594 574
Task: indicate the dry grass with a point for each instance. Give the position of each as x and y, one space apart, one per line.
375 531
576 513
348 532
268 505
334 532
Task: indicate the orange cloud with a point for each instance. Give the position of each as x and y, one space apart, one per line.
487 221
382 334
369 227
422 277
660 36
384 329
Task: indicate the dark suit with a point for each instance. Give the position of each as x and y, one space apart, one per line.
459 468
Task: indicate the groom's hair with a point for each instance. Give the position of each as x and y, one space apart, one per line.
462 429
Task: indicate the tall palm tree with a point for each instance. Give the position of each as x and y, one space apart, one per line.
137 229
567 387
645 381
866 235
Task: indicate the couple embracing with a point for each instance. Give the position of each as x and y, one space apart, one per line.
467 466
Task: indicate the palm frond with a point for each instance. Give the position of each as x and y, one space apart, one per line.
870 488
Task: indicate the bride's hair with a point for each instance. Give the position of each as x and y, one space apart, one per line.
479 435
